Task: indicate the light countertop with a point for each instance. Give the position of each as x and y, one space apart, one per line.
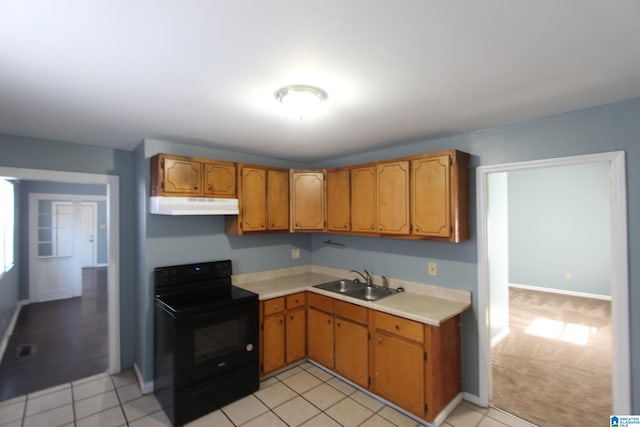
411 305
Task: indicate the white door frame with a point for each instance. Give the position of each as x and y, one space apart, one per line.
94 243
113 254
619 271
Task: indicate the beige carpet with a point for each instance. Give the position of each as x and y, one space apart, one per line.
552 380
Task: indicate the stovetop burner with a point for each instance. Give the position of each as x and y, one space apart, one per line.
188 288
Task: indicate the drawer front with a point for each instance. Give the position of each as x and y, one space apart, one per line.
274 305
295 300
320 302
400 326
351 312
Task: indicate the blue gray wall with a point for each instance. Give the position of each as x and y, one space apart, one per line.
32 153
607 128
9 282
570 207
48 187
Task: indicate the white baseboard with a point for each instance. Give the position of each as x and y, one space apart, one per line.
473 399
442 416
560 291
502 335
146 387
11 327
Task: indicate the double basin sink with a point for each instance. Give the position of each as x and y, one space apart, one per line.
356 289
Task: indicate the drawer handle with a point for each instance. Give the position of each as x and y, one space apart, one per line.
379 340
397 327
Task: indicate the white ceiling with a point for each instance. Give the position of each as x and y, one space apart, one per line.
113 72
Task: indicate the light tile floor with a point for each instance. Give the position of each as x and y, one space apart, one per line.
304 395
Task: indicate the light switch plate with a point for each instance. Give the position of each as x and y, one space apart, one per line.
295 253
432 268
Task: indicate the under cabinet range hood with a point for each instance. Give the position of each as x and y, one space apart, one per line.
192 206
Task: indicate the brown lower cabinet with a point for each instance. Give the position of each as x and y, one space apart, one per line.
320 338
283 332
352 345
411 364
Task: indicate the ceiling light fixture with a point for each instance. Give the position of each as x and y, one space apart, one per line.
301 100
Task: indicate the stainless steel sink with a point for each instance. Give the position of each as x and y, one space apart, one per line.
371 293
341 286
356 289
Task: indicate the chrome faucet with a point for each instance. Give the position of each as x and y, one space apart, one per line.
366 276
385 282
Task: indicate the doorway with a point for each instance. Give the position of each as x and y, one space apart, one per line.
618 275
112 251
62 236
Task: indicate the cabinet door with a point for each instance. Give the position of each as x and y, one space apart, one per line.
273 357
320 337
338 209
431 196
277 200
363 199
296 335
351 351
307 201
399 372
220 179
393 198
181 176
253 200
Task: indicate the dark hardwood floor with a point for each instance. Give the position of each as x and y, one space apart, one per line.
59 341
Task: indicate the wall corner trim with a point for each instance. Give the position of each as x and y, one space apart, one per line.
146 387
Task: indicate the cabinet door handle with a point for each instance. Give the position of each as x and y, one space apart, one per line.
195 187
379 340
275 306
280 321
291 317
372 227
418 229
397 327
338 324
329 321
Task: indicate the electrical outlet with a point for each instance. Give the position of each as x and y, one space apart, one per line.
432 268
567 276
295 253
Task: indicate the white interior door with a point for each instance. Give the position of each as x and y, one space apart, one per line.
88 237
54 267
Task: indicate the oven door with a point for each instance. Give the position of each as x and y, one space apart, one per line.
216 342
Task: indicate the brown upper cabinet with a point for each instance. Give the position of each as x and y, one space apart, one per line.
308 200
440 195
380 198
363 199
338 200
425 196
392 207
191 176
263 198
